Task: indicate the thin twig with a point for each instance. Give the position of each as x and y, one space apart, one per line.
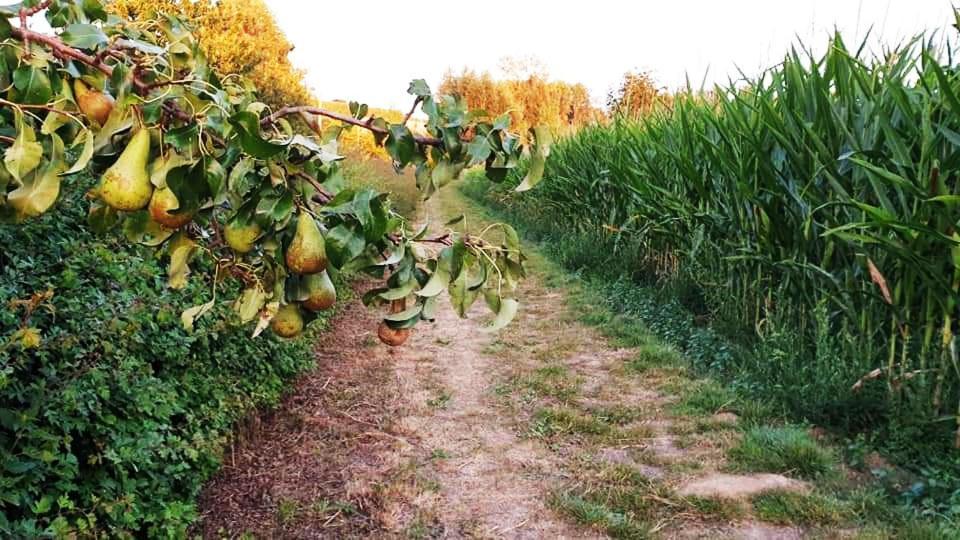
412 109
366 124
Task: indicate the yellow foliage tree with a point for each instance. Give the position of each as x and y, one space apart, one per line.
637 96
238 36
530 101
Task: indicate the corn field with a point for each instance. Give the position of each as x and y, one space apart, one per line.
823 193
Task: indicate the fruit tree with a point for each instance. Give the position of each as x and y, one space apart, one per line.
190 162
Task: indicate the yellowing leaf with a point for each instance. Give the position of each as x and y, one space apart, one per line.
39 191
266 315
163 165
30 338
190 315
181 248
25 153
85 154
250 302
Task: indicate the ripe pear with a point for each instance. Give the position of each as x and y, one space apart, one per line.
126 185
322 293
288 322
95 105
162 203
241 237
307 253
394 337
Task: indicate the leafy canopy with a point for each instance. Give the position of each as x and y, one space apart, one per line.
227 181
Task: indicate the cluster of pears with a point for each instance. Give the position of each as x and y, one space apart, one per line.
126 185
306 256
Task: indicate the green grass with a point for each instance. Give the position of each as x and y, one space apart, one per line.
705 397
719 509
599 516
798 508
551 421
554 381
788 450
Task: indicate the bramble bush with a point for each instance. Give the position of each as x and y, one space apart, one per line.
113 419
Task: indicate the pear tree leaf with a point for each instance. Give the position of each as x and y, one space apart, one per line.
83 36
538 158
508 310
25 153
265 316
250 302
419 88
247 125
181 249
85 154
190 315
37 193
33 84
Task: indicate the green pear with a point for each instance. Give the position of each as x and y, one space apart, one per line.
322 292
241 236
307 253
126 184
162 203
288 322
95 105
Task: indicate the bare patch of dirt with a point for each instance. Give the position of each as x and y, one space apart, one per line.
740 486
311 468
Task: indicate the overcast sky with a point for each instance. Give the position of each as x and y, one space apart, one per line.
369 50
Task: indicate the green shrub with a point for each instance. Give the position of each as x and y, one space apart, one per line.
114 421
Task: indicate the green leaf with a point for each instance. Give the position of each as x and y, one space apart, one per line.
406 314
538 159
5 28
400 292
343 245
83 36
247 125
400 144
419 87
33 85
508 310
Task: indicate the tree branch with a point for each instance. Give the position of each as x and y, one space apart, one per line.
366 124
412 110
62 50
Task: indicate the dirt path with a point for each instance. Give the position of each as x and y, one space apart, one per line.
548 430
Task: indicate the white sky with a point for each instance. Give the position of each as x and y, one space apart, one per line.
368 50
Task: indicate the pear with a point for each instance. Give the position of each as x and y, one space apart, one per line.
162 203
307 253
393 337
95 105
241 236
322 293
126 185
288 322
389 335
